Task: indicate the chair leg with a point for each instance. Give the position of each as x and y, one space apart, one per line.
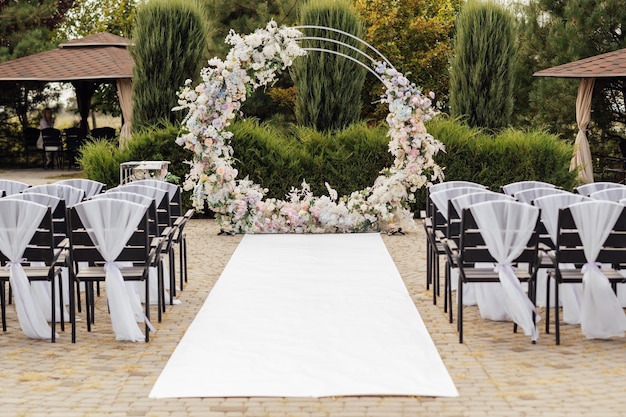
72 307
459 297
3 307
185 255
429 266
180 263
147 313
53 325
548 304
160 292
557 326
172 267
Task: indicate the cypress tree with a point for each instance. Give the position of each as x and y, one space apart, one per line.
170 46
482 70
328 87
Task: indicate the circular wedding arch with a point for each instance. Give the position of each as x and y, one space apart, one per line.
240 205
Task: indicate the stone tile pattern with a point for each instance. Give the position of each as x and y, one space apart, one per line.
497 372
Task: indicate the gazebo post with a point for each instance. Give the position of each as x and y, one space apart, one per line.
84 93
582 154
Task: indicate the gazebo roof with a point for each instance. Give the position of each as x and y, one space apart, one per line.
102 56
609 65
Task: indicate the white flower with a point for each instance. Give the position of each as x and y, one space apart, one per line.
255 60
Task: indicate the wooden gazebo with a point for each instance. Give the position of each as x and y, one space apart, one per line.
604 66
85 63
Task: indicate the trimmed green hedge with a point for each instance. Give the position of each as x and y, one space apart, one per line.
281 157
509 156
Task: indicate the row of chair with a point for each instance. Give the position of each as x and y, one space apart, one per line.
154 234
63 146
454 232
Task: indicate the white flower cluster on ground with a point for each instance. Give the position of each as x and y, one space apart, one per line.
256 60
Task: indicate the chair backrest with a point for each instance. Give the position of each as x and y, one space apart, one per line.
90 187
83 248
71 195
550 206
148 202
609 194
570 246
173 191
57 207
74 138
527 196
515 187
103 133
41 245
161 198
457 204
587 189
31 136
447 185
12 187
473 246
51 136
441 198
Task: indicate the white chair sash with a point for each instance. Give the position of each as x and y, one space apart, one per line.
156 194
70 194
602 315
89 187
477 293
440 198
11 187
609 194
571 294
18 223
453 184
506 228
110 223
587 189
515 187
163 185
43 199
528 196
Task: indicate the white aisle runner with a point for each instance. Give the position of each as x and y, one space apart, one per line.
306 316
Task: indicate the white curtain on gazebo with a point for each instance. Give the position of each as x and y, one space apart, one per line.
582 153
125 94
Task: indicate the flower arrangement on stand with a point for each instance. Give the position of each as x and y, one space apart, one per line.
256 60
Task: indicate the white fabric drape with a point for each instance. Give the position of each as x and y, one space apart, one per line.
602 315
440 198
478 293
587 189
71 195
125 94
528 196
90 187
571 294
582 153
18 223
152 192
163 185
506 228
515 187
11 187
110 223
610 194
41 289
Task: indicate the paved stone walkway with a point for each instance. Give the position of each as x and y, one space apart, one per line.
497 372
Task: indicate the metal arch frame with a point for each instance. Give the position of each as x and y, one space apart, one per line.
351 59
348 35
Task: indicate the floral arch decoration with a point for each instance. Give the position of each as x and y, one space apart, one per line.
255 60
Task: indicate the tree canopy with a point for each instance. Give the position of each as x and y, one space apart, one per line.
554 32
